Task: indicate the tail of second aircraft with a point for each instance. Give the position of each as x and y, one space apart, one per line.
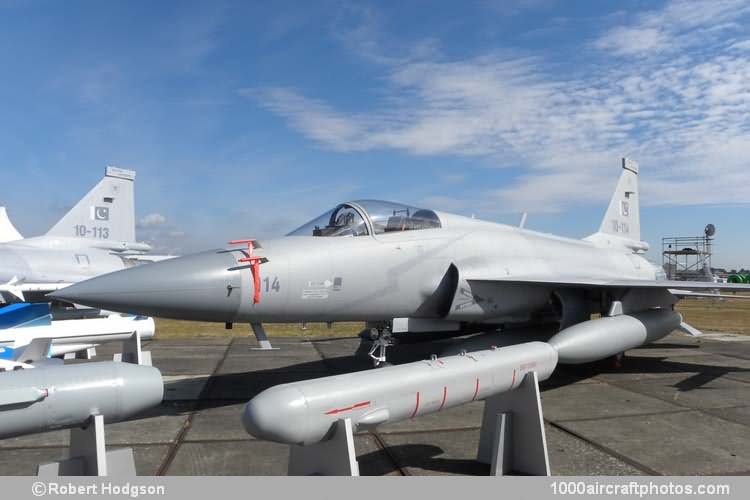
107 212
621 226
8 231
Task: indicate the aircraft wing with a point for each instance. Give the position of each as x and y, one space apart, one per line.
146 258
689 293
36 350
16 290
587 282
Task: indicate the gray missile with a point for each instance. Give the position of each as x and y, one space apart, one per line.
587 341
493 340
603 337
303 412
59 397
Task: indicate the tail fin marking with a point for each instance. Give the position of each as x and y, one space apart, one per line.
621 226
107 212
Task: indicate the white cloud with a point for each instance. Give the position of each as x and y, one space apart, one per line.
743 45
152 220
359 29
628 41
682 115
318 120
163 236
680 24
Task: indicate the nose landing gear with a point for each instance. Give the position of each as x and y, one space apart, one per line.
381 338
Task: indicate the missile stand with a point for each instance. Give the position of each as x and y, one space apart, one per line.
511 439
335 456
89 457
132 352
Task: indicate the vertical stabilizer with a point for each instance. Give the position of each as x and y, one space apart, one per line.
107 212
623 217
8 231
622 221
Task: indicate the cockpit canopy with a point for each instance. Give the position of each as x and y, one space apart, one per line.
362 217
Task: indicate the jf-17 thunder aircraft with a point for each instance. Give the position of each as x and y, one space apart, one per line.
404 270
96 236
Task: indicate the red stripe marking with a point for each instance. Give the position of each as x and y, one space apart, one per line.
254 261
416 407
514 378
476 390
255 266
445 394
355 406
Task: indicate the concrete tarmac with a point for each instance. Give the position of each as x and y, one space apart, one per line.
680 406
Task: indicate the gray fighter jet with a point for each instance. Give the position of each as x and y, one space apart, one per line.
96 236
405 270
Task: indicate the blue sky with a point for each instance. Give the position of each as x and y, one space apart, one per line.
247 119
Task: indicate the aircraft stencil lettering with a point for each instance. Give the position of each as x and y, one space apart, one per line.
272 285
620 227
92 232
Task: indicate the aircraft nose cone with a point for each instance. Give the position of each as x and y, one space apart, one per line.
204 286
277 414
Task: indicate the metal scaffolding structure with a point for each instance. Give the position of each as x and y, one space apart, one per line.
688 258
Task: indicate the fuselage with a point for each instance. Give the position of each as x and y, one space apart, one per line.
55 260
431 267
397 274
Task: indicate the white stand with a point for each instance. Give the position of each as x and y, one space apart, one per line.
132 353
332 457
512 437
263 342
83 354
88 455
